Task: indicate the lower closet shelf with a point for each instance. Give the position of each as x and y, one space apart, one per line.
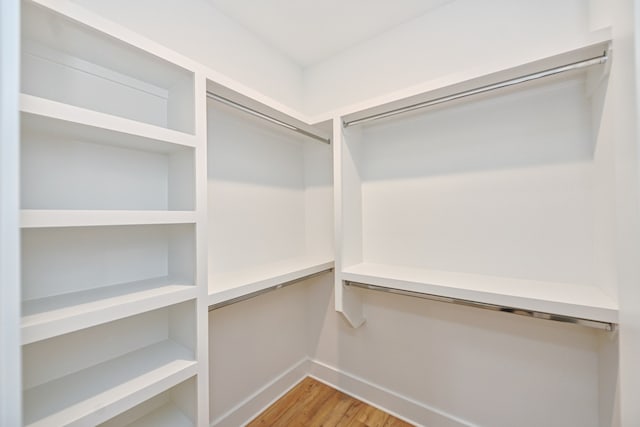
96 394
168 415
44 318
227 286
565 299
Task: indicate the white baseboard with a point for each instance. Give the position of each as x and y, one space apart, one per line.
248 409
389 401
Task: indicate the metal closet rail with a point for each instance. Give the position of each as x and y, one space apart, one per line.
266 290
597 324
256 113
483 89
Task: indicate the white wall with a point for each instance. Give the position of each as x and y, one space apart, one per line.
463 366
198 30
251 344
490 369
460 35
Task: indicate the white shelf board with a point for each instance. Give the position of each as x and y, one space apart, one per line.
42 218
95 394
484 74
581 301
224 287
44 318
167 415
78 32
55 118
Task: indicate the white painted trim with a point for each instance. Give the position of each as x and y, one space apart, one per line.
10 360
414 412
264 397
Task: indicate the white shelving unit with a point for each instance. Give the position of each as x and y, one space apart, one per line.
172 408
269 196
114 305
143 204
490 199
122 166
67 61
91 375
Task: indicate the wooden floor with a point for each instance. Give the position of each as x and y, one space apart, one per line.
313 404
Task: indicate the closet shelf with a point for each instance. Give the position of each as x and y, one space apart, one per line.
229 286
95 394
40 115
453 83
44 318
565 299
43 218
168 415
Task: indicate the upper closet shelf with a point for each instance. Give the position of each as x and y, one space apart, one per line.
40 115
41 218
563 299
233 287
67 58
592 52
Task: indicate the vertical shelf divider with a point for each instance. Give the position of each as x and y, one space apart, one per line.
347 300
202 305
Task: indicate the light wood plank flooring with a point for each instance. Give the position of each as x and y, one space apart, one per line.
314 404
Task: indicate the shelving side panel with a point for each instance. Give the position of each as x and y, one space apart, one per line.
256 192
318 200
347 217
500 186
352 210
199 404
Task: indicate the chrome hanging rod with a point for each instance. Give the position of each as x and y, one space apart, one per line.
266 117
607 326
265 290
503 84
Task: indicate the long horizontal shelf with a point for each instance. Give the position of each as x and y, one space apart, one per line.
230 286
48 317
167 415
564 299
41 218
95 394
475 78
56 118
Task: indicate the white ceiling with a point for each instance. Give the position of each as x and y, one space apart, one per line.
309 31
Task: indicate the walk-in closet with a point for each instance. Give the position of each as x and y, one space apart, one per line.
226 213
